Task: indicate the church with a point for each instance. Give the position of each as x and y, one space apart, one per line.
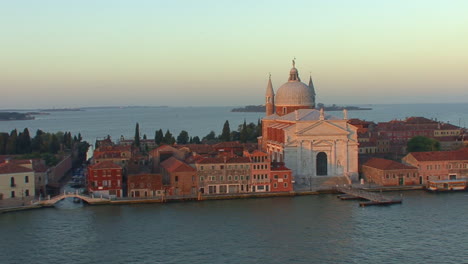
310 142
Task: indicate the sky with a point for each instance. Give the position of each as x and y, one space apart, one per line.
56 53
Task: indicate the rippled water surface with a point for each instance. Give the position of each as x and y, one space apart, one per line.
426 228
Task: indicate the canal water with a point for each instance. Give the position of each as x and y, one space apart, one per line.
426 228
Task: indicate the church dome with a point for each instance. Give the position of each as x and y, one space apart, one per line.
294 92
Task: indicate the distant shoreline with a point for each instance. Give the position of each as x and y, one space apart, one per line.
261 108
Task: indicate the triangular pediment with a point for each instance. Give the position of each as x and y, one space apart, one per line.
323 143
321 129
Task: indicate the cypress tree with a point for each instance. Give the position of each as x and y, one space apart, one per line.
196 140
168 138
158 136
226 134
136 140
54 145
11 143
36 142
244 133
3 141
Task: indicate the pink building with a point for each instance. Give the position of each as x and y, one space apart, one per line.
439 165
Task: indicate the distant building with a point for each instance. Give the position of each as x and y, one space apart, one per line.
16 181
439 165
260 170
105 178
389 173
281 178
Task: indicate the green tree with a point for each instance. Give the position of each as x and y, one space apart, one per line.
36 142
244 134
12 142
168 138
158 136
420 143
183 137
54 145
210 136
136 140
196 140
3 142
226 134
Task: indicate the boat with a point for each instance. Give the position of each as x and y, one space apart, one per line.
448 185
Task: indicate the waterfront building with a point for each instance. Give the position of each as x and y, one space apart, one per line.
16 181
105 178
179 178
386 172
260 171
145 185
309 142
281 178
163 153
439 165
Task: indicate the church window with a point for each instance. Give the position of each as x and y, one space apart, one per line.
284 110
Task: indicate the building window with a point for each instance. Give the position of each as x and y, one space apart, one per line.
202 178
201 167
229 178
12 182
275 176
247 177
26 193
176 179
212 167
12 194
285 185
275 185
26 179
221 178
193 178
221 167
236 178
285 176
242 177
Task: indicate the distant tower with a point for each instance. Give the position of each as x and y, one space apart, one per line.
312 89
270 98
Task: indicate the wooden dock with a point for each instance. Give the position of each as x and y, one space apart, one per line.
371 197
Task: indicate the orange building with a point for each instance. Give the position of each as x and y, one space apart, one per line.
281 178
145 185
105 178
389 173
179 178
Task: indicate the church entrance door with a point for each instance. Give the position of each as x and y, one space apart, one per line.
321 164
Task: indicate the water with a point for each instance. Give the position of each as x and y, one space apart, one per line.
426 228
199 121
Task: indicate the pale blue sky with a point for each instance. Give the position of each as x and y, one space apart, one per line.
84 53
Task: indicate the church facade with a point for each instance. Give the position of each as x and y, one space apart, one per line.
310 142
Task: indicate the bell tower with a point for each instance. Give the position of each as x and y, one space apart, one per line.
270 98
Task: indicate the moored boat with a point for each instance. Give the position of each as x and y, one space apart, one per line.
448 185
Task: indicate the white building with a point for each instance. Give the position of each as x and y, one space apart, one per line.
309 142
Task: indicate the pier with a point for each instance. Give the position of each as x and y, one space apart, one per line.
372 198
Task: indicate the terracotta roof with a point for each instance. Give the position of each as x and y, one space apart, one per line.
461 154
385 164
7 168
172 165
105 165
232 144
154 179
198 148
209 160
303 115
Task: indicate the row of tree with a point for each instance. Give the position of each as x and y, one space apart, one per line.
244 133
21 143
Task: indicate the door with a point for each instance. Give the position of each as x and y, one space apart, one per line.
322 164
401 181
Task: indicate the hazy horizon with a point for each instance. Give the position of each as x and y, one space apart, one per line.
213 53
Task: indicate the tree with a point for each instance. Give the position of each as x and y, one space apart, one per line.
226 134
136 140
196 140
11 143
210 136
3 142
36 142
54 145
168 138
183 137
158 136
244 133
420 143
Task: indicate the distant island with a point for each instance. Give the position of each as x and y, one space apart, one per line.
333 107
60 109
10 116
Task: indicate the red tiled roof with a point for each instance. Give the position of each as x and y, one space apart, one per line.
172 164
8 167
107 164
385 164
461 154
233 144
209 160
